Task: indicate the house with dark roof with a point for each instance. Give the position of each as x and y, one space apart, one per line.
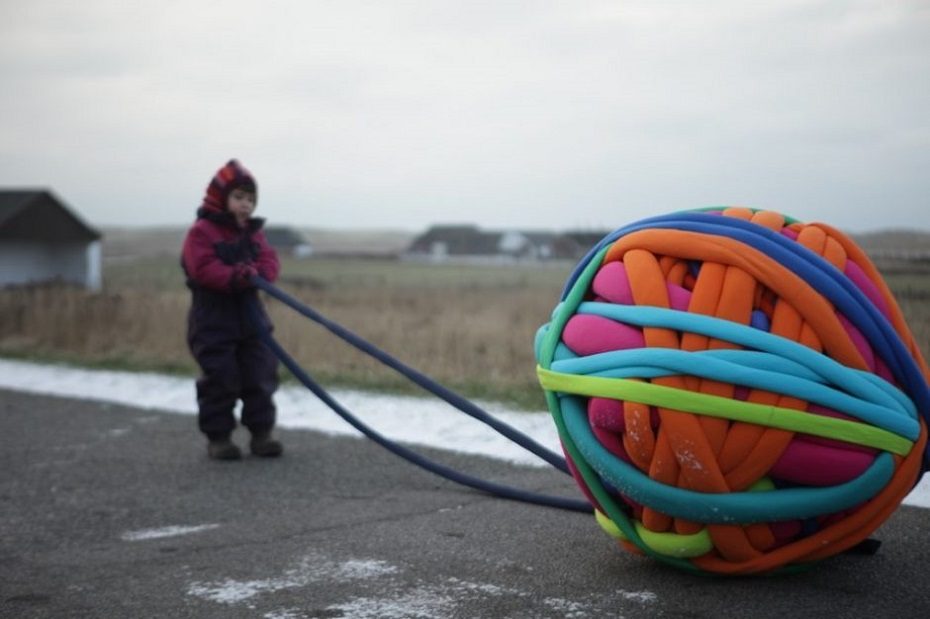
445 242
288 242
43 240
467 243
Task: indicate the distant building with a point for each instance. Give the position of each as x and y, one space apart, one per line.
468 243
288 242
43 240
440 243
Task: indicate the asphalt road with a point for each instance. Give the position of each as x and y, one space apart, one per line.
111 512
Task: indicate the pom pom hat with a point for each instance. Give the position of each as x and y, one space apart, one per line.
736 392
231 176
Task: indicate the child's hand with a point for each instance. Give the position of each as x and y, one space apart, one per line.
242 276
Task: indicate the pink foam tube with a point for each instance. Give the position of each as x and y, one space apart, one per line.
588 334
810 464
612 284
607 414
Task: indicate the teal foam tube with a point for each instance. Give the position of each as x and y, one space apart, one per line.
731 508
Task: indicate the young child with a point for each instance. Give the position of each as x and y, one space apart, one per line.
223 248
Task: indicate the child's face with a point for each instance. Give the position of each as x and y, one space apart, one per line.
241 204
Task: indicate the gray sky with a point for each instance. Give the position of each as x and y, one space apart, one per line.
506 114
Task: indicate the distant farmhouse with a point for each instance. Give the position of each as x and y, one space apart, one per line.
43 240
468 243
288 242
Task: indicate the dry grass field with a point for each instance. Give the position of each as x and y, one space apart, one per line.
470 327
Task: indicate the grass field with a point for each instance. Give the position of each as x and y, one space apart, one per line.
470 327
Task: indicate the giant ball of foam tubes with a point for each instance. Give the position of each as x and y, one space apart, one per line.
736 391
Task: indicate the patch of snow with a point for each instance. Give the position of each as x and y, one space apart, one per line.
644 597
378 592
413 420
284 613
361 570
567 608
172 531
231 591
311 569
434 601
920 495
423 603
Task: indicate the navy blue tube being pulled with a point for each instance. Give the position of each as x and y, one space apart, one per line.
446 472
467 407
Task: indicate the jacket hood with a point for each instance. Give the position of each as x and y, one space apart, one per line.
231 176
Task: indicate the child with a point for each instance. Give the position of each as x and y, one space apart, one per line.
222 250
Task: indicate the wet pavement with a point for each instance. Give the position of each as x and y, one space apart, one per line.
107 511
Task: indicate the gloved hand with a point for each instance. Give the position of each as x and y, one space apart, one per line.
242 274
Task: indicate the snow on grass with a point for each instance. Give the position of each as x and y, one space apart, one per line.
423 421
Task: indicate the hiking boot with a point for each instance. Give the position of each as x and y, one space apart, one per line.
264 446
223 449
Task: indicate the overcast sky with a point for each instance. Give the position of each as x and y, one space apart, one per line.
505 114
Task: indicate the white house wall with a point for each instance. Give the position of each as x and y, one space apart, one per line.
24 263
93 258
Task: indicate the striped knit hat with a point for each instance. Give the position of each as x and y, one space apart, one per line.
231 176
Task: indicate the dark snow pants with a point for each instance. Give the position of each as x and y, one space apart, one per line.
235 365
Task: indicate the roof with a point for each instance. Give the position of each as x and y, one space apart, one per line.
457 240
38 215
284 237
587 238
